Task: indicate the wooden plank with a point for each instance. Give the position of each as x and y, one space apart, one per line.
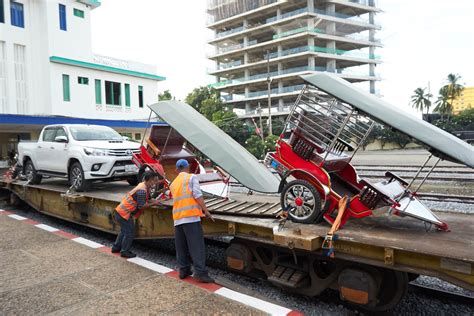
216 202
277 211
255 208
245 207
218 206
269 208
233 206
210 200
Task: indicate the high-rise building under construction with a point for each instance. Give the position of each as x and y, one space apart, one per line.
263 46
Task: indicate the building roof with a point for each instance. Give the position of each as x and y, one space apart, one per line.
14 119
92 3
84 64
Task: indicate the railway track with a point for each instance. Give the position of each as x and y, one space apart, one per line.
441 294
450 170
437 197
431 178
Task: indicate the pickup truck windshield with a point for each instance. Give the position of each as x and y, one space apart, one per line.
83 133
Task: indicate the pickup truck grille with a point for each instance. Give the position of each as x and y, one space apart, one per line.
122 152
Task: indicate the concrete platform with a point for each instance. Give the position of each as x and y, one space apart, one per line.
42 271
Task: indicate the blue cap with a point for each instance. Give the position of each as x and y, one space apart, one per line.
181 164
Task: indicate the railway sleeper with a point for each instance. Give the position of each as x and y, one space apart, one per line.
362 286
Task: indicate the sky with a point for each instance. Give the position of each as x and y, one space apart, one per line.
423 41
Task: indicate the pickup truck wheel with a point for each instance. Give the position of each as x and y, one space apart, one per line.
31 175
132 180
76 178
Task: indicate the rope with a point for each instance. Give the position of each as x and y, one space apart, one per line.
328 243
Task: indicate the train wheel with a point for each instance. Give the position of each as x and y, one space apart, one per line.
392 289
302 201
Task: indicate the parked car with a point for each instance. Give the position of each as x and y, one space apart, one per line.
80 153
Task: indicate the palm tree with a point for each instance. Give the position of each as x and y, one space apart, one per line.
454 89
420 100
442 103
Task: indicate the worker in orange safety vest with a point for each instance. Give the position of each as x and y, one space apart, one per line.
188 208
131 206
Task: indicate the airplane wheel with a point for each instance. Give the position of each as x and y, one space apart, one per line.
302 201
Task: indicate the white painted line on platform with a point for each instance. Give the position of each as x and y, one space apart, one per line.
2 210
87 242
259 304
17 217
47 228
150 265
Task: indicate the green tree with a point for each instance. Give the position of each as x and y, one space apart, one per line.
196 97
259 148
442 103
420 100
166 95
464 121
231 124
454 88
207 101
447 94
210 106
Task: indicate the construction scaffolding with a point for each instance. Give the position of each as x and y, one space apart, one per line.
223 9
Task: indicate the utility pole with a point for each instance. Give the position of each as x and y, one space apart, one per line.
269 83
259 110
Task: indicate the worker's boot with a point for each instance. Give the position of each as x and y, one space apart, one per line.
184 273
127 254
204 278
115 250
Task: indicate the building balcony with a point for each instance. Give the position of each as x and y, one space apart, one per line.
269 22
357 37
275 111
347 73
353 39
356 56
262 94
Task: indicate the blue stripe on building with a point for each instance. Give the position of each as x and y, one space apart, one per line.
49 120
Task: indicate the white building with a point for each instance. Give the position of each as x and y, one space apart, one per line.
47 68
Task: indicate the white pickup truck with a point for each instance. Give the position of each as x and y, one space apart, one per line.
80 153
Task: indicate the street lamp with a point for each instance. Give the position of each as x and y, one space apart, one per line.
269 83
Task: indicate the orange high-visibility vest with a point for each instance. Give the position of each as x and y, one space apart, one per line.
128 204
184 204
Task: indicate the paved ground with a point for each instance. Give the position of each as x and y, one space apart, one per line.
44 272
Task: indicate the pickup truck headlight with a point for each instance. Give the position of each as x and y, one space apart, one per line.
95 152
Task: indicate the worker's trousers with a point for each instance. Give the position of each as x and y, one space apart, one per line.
127 233
189 241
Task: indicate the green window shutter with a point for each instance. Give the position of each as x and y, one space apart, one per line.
98 92
79 13
66 88
140 96
127 94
